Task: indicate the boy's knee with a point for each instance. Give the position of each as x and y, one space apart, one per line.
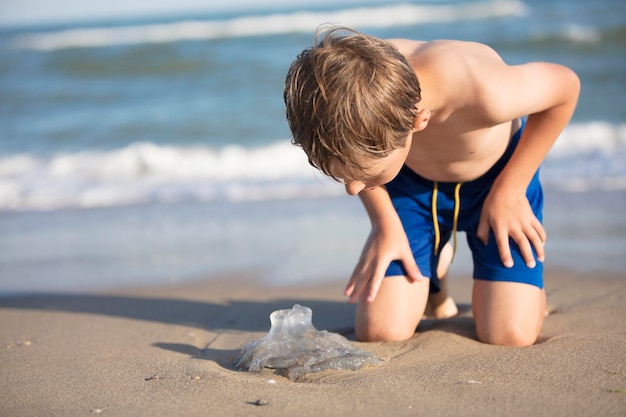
507 313
373 333
507 335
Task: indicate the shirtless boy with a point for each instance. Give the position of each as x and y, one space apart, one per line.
430 136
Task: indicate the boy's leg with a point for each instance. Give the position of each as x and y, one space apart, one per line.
441 305
395 313
508 313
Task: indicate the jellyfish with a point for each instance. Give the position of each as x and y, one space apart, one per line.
294 346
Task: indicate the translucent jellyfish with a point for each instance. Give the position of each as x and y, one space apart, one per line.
293 345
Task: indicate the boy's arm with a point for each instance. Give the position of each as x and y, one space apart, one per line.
386 242
547 93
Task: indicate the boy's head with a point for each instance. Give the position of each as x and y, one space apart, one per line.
350 98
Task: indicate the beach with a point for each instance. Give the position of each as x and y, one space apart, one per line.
105 312
154 213
170 350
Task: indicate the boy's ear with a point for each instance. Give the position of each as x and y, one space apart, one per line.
421 119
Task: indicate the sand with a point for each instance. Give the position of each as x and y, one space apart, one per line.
170 352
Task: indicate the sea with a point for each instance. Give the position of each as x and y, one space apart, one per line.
154 150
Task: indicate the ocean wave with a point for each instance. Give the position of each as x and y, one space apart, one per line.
148 173
587 156
272 24
571 33
590 138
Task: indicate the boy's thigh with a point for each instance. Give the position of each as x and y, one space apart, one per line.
395 312
507 313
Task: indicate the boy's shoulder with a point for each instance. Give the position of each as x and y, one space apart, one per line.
448 62
451 73
441 48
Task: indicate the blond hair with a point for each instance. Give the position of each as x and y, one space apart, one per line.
349 98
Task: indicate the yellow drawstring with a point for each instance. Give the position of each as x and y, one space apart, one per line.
455 219
435 219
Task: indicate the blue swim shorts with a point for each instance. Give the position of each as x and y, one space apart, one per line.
413 197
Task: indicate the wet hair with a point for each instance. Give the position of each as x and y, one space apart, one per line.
349 98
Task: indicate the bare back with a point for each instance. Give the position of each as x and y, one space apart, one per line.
461 141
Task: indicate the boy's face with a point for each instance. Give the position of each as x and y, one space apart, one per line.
380 171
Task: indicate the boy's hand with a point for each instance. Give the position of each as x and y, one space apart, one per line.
382 247
509 215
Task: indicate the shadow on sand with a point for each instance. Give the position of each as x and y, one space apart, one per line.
229 317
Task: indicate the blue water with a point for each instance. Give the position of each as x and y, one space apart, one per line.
155 150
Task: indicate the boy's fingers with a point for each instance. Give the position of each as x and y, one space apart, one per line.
356 291
537 244
375 284
360 283
532 238
540 241
525 249
502 240
377 280
540 230
411 268
350 287
354 294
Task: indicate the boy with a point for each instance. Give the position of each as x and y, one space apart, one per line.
430 136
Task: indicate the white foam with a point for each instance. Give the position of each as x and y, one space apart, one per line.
570 32
579 33
154 162
297 22
585 138
586 157
145 172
